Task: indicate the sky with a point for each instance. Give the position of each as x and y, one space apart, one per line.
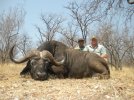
33 9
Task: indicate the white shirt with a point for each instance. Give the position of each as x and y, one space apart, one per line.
100 49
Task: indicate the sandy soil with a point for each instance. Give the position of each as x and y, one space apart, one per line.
13 87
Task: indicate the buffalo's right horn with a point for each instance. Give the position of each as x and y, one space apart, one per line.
32 54
47 54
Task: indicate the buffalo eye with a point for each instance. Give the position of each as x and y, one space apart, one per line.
46 61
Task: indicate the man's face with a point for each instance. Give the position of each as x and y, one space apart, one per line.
94 42
81 43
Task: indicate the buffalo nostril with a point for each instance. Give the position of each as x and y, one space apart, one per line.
42 75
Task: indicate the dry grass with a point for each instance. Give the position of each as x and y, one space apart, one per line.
13 87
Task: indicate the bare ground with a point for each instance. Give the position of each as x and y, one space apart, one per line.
13 87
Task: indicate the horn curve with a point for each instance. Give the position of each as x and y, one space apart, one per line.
32 54
47 54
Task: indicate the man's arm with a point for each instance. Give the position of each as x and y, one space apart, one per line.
104 53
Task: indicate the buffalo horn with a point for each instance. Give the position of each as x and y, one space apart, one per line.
47 54
34 53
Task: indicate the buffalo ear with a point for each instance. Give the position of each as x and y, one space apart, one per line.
27 69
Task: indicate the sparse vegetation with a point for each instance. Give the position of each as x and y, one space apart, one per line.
14 87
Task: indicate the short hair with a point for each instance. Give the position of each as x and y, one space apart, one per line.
81 40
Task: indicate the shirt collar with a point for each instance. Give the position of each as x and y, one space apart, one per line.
92 47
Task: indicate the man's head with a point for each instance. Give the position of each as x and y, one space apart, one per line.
81 42
94 41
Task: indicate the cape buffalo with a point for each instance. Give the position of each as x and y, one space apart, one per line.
39 64
74 63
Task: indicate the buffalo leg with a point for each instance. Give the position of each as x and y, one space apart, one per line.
66 72
26 70
101 71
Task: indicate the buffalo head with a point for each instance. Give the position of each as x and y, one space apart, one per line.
38 62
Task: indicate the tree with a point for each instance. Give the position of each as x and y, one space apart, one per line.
117 42
85 14
10 23
52 25
24 43
70 35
